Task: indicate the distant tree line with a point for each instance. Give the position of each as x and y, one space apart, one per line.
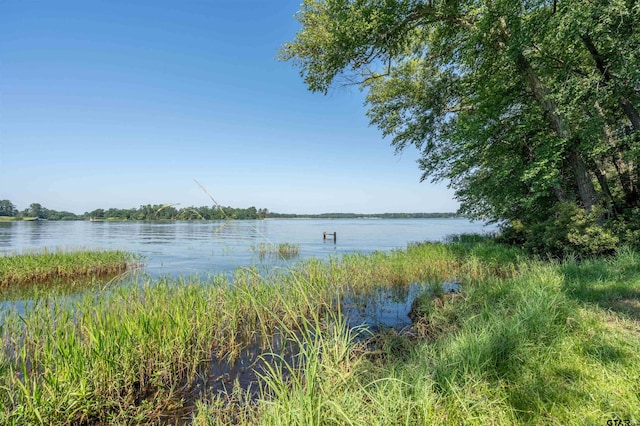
360 215
144 212
35 210
170 212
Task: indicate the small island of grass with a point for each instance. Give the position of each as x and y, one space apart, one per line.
282 250
48 266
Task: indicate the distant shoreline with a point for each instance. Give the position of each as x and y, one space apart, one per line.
281 216
364 216
164 212
278 217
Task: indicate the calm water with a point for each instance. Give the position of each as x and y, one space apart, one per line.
211 247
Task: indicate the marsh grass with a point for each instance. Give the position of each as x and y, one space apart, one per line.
281 250
525 342
134 350
46 266
529 343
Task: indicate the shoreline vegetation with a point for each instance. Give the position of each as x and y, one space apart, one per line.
43 267
524 341
164 212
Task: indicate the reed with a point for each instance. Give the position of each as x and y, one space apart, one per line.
282 250
134 349
522 344
47 266
538 347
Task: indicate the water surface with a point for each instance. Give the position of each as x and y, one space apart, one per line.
213 247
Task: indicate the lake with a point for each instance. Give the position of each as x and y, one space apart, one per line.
213 247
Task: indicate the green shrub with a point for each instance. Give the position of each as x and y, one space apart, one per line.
569 231
627 227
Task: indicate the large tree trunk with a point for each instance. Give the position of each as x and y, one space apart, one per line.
624 168
584 185
601 175
625 104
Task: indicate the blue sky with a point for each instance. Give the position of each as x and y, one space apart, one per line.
123 103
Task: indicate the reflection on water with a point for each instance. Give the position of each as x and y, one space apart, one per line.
157 233
385 307
6 234
37 232
388 306
19 298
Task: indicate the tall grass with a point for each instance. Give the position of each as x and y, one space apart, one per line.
281 250
521 344
47 266
530 348
132 351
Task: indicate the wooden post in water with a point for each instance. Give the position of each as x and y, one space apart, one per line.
324 235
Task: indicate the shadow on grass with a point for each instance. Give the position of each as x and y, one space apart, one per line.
611 284
527 337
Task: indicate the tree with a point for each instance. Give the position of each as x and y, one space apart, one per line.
36 210
96 214
61 215
521 105
7 208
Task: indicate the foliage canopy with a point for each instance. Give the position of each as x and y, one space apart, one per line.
524 106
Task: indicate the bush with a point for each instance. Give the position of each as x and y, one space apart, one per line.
627 227
569 231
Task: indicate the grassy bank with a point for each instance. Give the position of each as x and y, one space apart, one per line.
47 266
523 343
12 219
526 342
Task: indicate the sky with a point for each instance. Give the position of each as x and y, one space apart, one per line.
126 103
